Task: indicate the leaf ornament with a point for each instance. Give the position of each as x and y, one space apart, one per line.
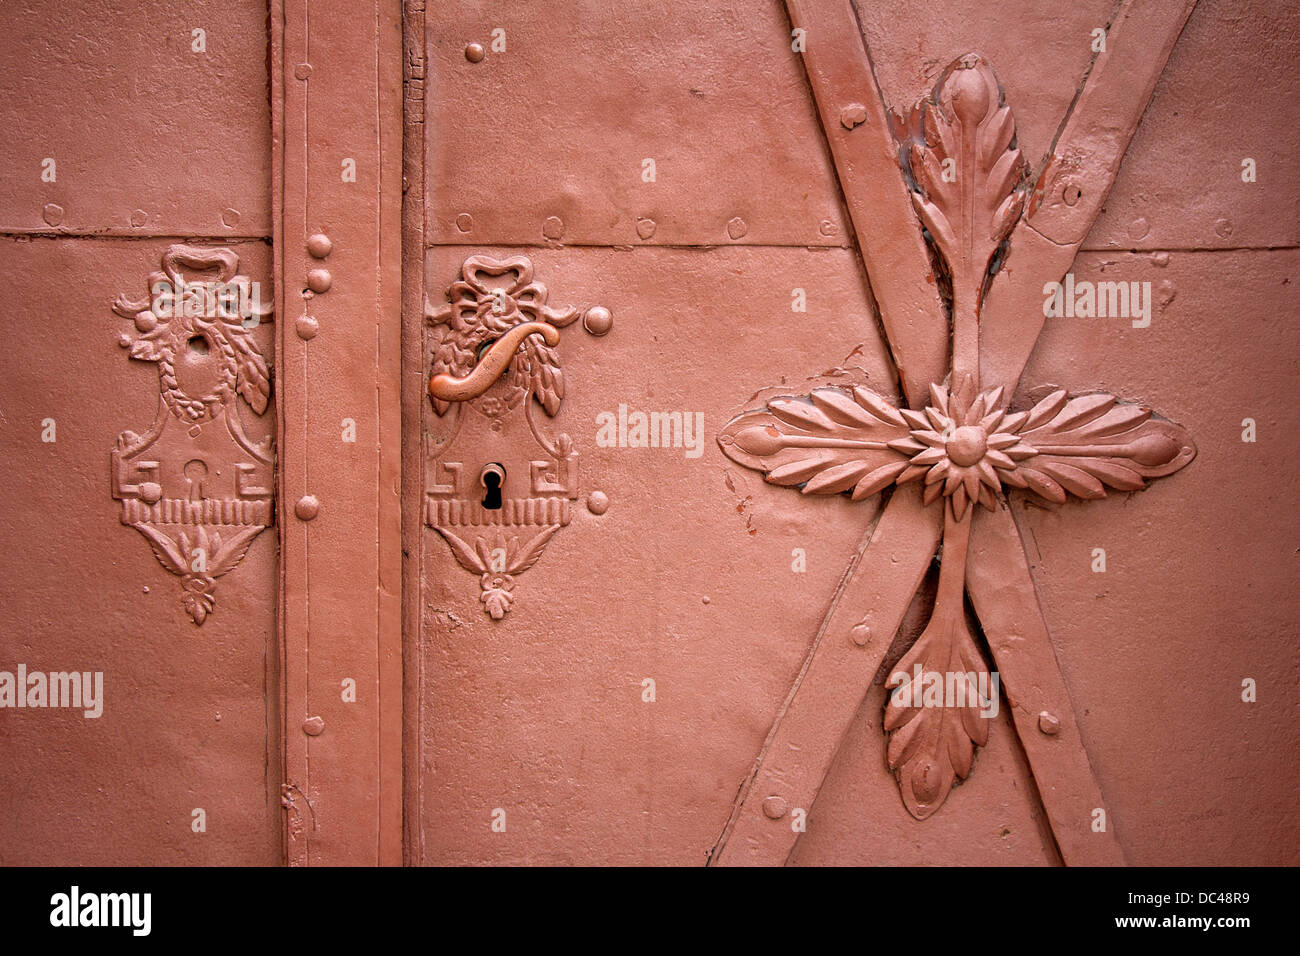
830 441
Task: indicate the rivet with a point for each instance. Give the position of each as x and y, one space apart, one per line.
597 320
307 507
1139 228
827 228
1048 724
598 502
1223 228
861 635
1071 194
313 726
774 808
855 114
306 327
319 245
1160 259
230 218
705 599
319 280
553 228
475 53
645 228
53 213
736 228
150 492
302 71
1165 293
464 222
138 218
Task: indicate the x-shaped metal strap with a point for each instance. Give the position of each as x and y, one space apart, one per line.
889 565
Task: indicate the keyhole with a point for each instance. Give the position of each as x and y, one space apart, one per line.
492 478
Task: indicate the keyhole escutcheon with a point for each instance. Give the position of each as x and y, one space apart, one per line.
492 478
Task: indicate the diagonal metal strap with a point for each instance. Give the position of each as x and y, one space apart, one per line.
1001 589
853 115
1080 170
835 677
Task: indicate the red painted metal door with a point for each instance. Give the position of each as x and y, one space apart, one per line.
754 432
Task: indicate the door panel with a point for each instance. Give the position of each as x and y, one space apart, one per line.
179 142
182 764
685 580
536 735
590 92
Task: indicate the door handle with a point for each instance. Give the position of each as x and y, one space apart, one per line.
494 361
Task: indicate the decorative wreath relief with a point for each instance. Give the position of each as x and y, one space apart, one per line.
195 485
966 447
491 297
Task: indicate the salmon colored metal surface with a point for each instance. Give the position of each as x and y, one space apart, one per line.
650 433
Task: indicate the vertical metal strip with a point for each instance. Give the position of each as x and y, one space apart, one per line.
338 371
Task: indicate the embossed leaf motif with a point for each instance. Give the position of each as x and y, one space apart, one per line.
933 715
466 556
968 171
496 560
199 560
1084 445
830 441
252 378
544 373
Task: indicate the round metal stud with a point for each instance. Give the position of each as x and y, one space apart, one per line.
319 280
598 320
319 245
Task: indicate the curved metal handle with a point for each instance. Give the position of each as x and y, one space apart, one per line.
448 388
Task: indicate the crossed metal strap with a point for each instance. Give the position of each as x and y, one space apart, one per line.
960 336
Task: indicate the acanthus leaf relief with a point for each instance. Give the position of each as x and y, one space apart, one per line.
195 484
966 446
494 359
